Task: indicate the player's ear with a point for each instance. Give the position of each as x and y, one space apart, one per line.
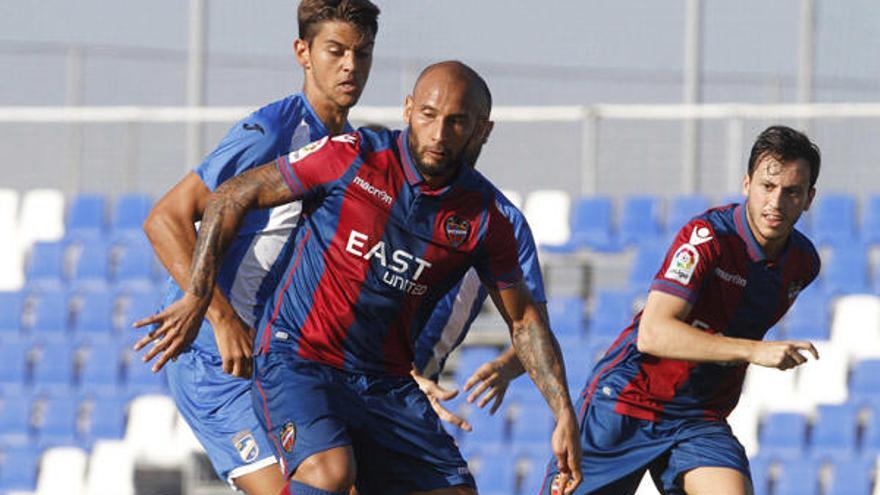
407 108
745 184
810 195
301 50
486 130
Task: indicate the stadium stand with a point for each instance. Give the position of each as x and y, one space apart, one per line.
547 212
70 386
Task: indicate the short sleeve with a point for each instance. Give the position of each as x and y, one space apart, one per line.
693 255
249 143
528 258
311 169
497 260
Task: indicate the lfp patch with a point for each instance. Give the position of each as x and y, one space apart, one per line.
288 437
307 150
683 264
246 446
457 230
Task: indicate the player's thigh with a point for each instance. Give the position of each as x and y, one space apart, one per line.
332 470
716 481
264 481
452 490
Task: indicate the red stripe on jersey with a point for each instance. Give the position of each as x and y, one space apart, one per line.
265 403
360 229
591 389
267 331
657 382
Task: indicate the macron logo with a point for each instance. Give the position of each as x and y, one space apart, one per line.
374 191
731 278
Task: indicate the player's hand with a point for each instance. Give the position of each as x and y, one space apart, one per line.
436 394
235 341
176 327
492 378
783 354
566 445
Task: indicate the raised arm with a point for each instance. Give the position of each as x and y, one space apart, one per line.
664 333
540 355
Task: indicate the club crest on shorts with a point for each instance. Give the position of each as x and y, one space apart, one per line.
246 445
288 437
683 264
457 230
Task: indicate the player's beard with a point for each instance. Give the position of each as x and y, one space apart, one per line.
445 168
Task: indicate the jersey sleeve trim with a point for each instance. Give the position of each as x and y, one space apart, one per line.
289 176
674 290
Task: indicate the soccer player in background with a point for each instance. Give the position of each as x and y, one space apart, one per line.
393 221
209 378
659 397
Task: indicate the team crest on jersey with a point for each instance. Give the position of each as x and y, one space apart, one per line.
793 290
288 437
306 150
457 230
246 446
683 263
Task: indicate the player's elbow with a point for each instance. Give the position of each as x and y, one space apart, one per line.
648 340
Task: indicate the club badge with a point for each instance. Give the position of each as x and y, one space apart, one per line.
457 230
288 437
246 446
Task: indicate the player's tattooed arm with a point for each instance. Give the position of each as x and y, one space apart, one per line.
261 187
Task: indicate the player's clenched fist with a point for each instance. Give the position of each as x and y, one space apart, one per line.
566 444
784 354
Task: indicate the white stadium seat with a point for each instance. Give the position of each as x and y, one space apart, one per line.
824 381
150 431
111 469
773 390
184 437
855 327
62 470
547 212
42 216
8 210
11 261
744 421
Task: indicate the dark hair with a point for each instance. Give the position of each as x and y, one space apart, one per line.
786 144
363 14
470 73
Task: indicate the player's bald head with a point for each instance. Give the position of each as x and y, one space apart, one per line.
456 72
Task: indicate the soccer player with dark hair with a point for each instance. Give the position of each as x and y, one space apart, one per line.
392 221
659 398
209 379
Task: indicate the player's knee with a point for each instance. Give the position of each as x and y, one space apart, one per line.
332 470
294 487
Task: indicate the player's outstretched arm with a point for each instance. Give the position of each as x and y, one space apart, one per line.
541 357
261 187
171 231
664 333
490 381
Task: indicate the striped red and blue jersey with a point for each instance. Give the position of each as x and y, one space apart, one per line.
246 276
716 265
376 249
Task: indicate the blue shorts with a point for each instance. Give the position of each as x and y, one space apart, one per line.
619 449
399 443
218 408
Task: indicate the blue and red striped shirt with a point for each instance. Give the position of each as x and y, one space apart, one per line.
376 249
715 264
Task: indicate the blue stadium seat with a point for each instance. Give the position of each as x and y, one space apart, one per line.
851 477
101 367
51 313
470 358
784 435
496 474
94 314
871 220
85 217
106 418
864 381
760 467
486 429
57 420
596 348
797 477
139 377
129 213
682 209
534 473
591 224
846 272
54 368
19 469
11 309
15 421
649 259
870 447
136 308
612 312
533 424
640 220
14 354
834 219
91 269
809 317
566 315
45 266
834 433
135 263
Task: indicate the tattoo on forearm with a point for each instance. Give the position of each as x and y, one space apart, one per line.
540 355
260 187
